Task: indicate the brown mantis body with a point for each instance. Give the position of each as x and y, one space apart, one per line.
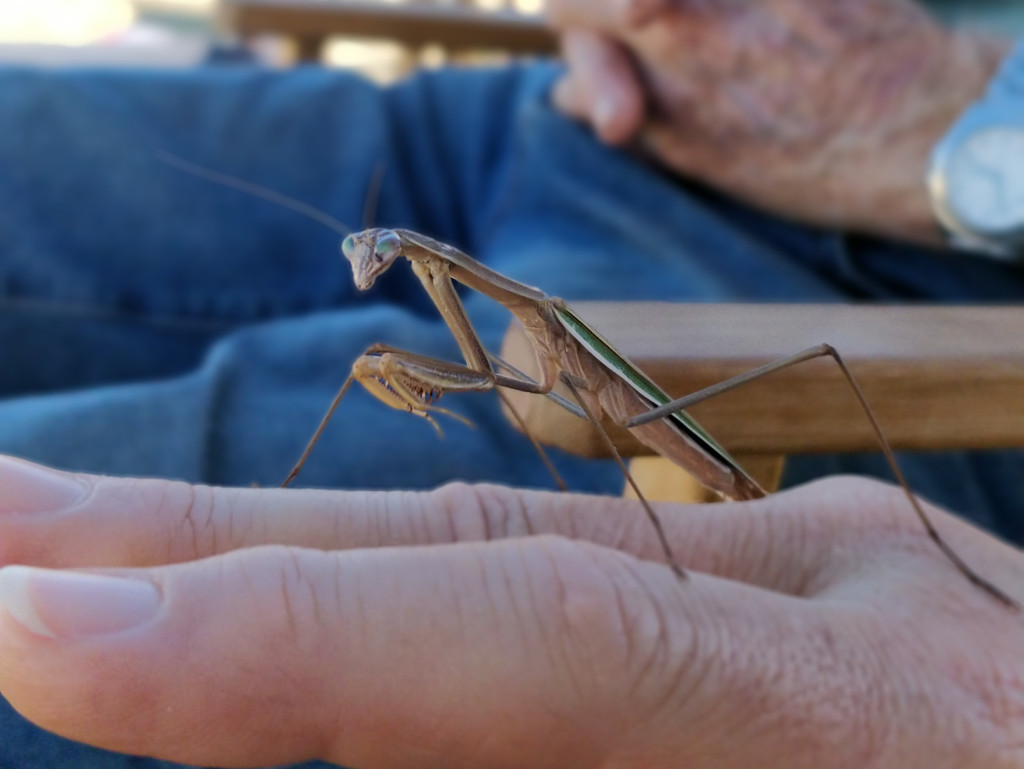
399 378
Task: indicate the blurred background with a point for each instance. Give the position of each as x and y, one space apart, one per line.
382 37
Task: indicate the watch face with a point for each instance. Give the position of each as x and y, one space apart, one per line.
985 181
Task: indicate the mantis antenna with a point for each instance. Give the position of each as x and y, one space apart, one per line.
256 190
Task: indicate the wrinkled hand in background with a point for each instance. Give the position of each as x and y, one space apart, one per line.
821 110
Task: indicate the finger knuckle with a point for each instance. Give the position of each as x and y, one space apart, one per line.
613 623
481 512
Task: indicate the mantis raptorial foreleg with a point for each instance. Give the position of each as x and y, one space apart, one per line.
410 382
404 380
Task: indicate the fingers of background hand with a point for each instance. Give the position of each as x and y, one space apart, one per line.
601 86
687 152
483 654
610 15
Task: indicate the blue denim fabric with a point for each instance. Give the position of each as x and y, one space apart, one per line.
153 323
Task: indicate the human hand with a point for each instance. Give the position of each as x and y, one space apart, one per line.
825 111
484 626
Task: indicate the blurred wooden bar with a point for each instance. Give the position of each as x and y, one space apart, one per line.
936 377
415 24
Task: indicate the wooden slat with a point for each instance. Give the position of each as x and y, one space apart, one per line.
416 24
937 377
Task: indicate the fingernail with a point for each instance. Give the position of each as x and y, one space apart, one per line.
31 488
70 604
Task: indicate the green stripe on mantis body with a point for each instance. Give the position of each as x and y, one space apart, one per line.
620 365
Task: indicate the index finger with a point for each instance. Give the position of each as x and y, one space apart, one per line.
787 543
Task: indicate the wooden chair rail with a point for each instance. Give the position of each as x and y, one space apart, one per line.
936 377
413 24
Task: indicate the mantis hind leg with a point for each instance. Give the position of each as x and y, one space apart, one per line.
822 351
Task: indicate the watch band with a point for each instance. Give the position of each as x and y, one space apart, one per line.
1008 86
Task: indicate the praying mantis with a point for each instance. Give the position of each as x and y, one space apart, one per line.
568 351
600 378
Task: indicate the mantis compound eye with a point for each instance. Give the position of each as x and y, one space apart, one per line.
348 247
388 246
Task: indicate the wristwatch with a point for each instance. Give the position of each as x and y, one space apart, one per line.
976 176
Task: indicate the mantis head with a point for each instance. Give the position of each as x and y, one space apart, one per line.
371 252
